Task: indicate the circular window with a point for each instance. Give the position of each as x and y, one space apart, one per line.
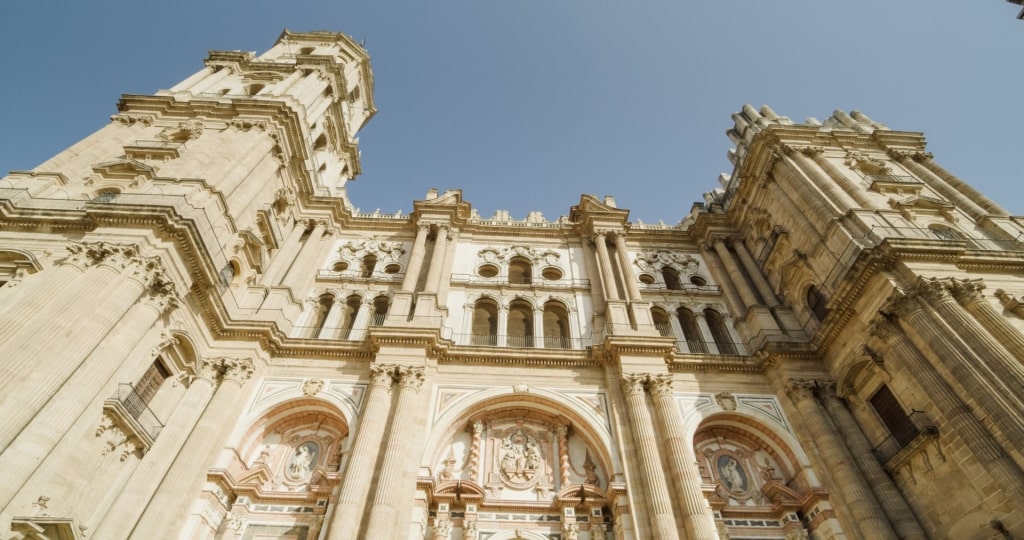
646 279
339 266
392 269
698 281
487 271
551 273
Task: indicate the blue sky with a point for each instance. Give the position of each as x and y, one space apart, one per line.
525 105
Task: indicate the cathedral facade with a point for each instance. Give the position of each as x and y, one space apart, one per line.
202 338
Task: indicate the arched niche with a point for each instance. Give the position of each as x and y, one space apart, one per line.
529 452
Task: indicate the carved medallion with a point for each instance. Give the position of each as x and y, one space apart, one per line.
519 459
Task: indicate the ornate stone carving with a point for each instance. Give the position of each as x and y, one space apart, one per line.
410 377
800 389
187 130
519 458
571 531
903 304
382 375
590 468
470 530
935 291
660 385
238 370
129 119
312 387
520 388
386 251
442 529
652 261
448 469
633 383
726 401
968 291
884 328
866 164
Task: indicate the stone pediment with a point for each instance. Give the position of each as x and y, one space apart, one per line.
591 212
127 169
923 202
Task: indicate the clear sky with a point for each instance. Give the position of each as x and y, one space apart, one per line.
526 104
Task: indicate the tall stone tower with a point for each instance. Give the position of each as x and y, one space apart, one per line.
200 338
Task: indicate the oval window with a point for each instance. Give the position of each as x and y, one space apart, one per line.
487 271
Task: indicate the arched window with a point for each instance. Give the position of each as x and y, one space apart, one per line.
556 326
380 310
691 331
106 195
723 340
519 271
520 324
323 308
671 278
661 321
485 323
816 302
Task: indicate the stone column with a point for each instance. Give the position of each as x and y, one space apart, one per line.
563 456
815 203
355 488
928 162
960 418
146 478
34 371
412 270
502 337
632 289
362 319
215 78
611 292
437 258
733 300
841 179
476 449
938 184
334 314
838 197
183 481
40 290
387 497
539 339
890 497
284 257
999 367
968 293
847 479
663 523
21 459
960 371
698 520
763 288
735 274
302 273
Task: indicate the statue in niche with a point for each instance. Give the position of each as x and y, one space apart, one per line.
731 474
591 470
302 462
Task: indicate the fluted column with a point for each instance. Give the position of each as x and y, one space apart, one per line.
663 523
355 488
437 259
412 270
146 478
285 256
992 207
994 362
40 290
632 289
20 460
859 499
968 293
816 204
611 292
180 486
938 184
208 82
735 274
698 519
763 288
960 371
34 371
729 289
302 273
837 196
389 492
890 497
334 315
841 179
960 418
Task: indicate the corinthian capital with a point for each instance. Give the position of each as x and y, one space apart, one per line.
903 304
633 383
411 377
382 375
210 369
884 328
968 291
660 385
934 290
800 389
238 370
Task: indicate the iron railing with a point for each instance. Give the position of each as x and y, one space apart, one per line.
137 408
920 426
521 342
